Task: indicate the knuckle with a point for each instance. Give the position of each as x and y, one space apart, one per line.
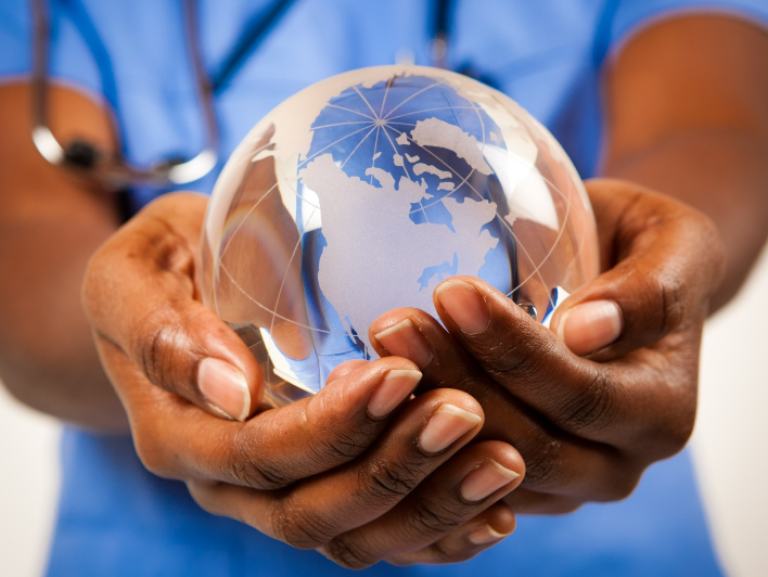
340 446
252 472
671 293
159 352
507 355
335 442
343 552
301 527
542 455
594 408
434 518
387 482
520 362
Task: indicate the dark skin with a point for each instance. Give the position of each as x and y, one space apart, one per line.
686 116
589 437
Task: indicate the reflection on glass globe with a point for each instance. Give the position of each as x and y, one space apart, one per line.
361 193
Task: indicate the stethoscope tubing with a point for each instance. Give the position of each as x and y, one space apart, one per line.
111 170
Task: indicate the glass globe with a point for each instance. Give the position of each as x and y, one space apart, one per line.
361 193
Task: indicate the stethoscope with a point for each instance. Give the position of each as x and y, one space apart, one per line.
111 170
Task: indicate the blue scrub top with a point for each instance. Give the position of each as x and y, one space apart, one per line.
115 518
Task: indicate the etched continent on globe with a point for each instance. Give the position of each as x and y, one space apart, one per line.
410 258
363 192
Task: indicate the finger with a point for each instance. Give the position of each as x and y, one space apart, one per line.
456 493
641 403
507 348
423 436
663 261
528 361
139 294
276 447
484 531
344 369
556 462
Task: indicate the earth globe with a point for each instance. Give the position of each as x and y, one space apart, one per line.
362 192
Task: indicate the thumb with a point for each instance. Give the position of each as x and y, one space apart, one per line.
665 262
139 295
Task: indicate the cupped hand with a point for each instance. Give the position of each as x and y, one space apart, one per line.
360 472
612 387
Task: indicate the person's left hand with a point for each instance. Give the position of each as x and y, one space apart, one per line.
587 426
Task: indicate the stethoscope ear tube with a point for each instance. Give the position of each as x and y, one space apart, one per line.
110 170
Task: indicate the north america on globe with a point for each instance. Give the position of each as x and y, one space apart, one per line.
377 255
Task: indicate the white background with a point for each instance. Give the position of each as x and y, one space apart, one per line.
729 446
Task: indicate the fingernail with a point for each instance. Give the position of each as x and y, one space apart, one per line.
485 480
404 340
394 388
464 305
445 427
225 388
485 534
591 326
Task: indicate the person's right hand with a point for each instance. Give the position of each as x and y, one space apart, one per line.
359 472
